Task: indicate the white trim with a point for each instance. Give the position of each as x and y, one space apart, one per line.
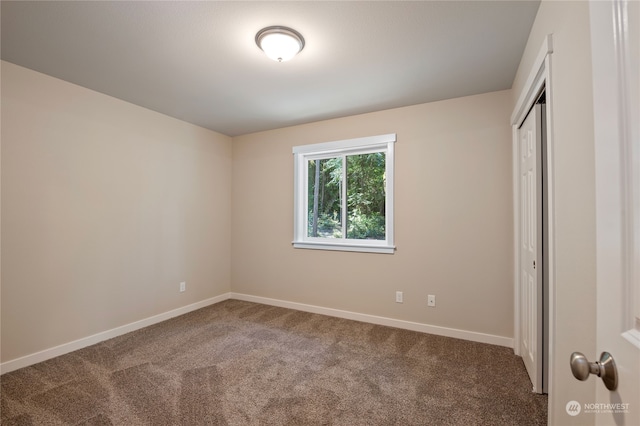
373 319
321 245
338 146
633 336
628 99
65 348
534 82
516 239
365 145
539 77
390 162
617 154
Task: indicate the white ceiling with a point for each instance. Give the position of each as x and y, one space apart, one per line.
198 61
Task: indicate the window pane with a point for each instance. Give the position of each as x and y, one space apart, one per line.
366 183
325 198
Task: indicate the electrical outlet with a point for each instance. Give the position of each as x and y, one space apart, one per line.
183 286
398 297
431 300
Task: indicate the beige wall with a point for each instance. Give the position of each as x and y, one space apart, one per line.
574 171
106 207
453 217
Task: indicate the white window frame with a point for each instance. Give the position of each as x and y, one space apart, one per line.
366 145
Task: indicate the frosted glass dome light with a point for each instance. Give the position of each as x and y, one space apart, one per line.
280 43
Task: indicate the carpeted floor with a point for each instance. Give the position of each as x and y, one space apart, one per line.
241 363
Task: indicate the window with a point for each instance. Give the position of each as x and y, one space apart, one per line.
343 195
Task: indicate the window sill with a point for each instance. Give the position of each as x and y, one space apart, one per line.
364 248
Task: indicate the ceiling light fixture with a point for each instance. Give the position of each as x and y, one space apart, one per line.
280 43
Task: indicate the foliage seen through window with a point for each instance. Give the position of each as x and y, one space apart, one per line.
363 184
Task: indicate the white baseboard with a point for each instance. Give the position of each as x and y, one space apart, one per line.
46 354
373 319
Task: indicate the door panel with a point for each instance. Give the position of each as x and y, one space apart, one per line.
616 87
530 250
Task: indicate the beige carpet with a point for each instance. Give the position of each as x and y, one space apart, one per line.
241 363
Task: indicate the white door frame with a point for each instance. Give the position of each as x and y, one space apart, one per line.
539 78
